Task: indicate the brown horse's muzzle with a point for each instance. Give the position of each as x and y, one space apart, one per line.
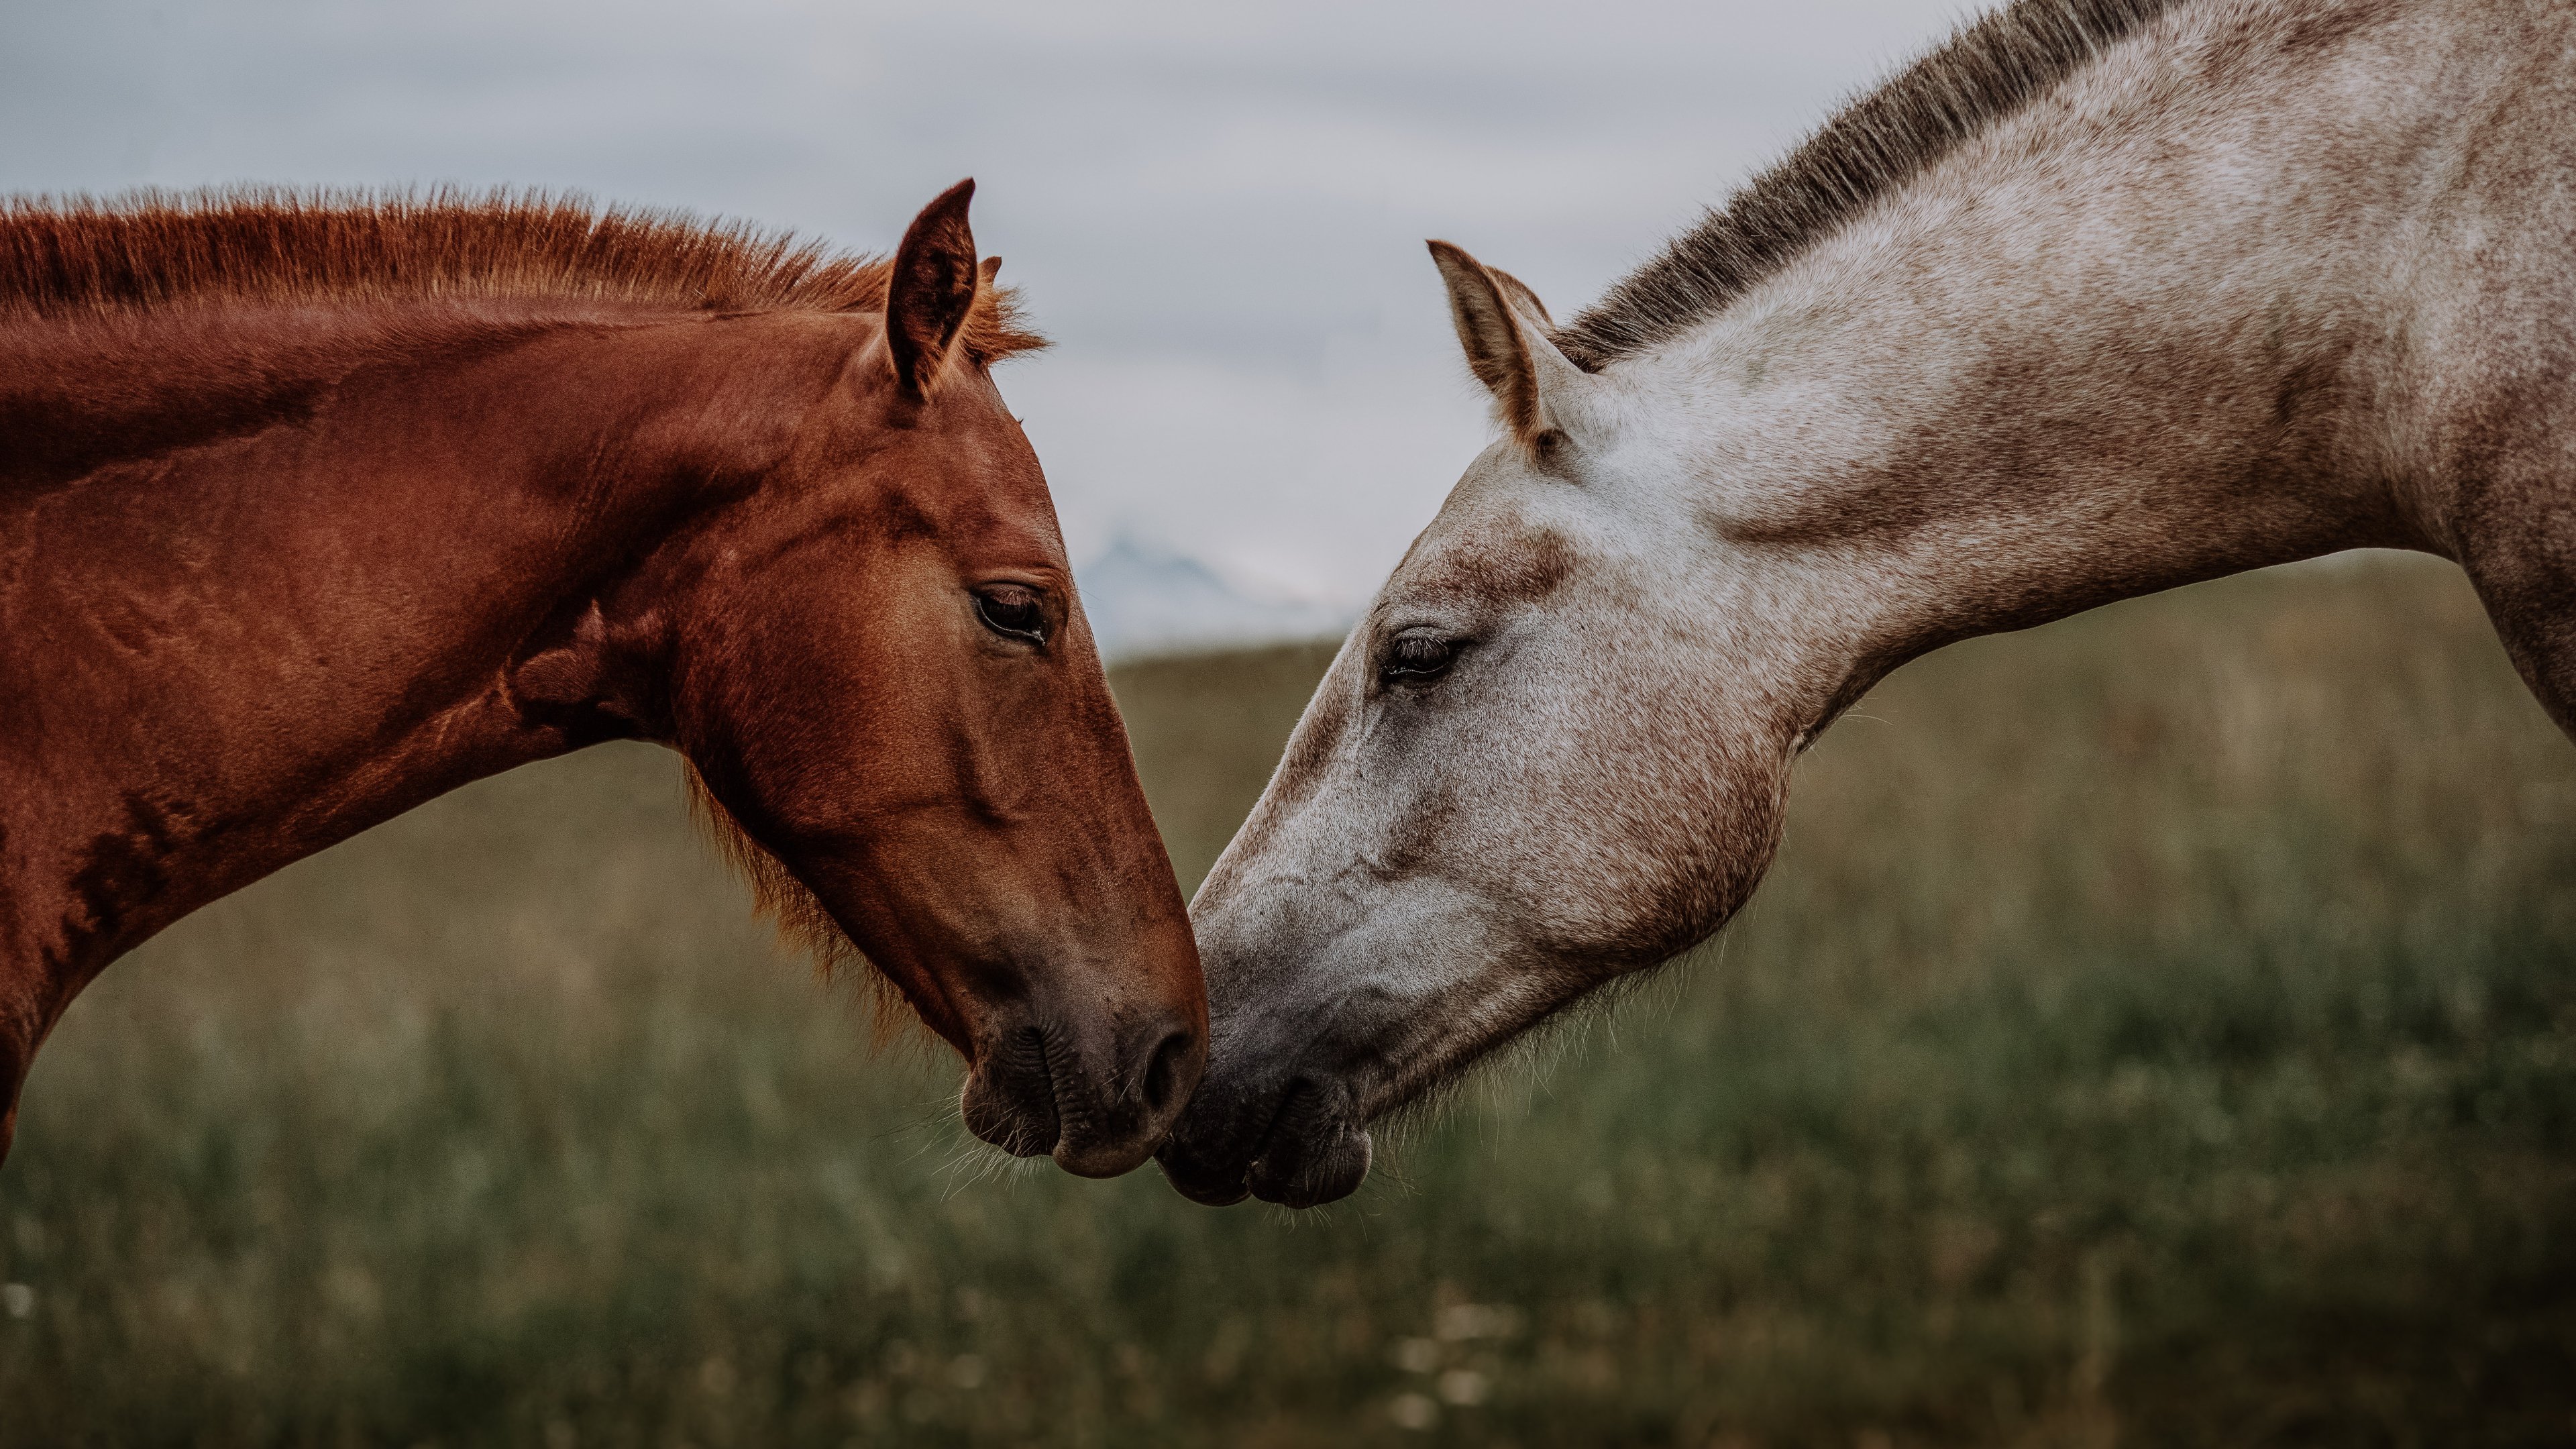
1097 1090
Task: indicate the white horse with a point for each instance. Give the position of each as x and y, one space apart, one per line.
2103 297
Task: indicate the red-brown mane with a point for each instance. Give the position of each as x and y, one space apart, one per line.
149 249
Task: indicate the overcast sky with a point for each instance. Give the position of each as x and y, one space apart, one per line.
1217 211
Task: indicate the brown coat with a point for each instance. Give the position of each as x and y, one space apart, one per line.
310 511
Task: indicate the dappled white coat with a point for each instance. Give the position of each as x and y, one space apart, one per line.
2263 280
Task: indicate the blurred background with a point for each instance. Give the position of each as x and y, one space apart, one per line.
2160 1027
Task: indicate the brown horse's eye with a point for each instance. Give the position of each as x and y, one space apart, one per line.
1418 658
1012 610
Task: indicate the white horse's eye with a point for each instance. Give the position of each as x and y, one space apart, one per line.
1418 657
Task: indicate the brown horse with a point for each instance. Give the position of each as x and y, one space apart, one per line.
313 509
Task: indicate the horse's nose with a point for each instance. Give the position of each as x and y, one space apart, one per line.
1116 1115
1296 1142
1097 1097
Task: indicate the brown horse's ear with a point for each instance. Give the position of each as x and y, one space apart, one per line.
1504 328
931 290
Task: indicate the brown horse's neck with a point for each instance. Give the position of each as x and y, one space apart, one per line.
265 574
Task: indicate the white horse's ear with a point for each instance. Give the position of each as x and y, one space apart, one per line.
1504 328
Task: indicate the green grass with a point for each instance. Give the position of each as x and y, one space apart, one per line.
2160 1029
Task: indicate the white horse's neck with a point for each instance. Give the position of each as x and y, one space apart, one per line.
2019 388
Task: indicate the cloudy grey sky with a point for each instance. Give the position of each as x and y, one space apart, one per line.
1216 210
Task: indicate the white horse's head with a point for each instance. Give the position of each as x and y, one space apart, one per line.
2085 304
1551 753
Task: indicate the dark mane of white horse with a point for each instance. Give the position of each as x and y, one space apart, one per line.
1988 70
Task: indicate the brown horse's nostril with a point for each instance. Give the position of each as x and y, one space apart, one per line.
1163 1072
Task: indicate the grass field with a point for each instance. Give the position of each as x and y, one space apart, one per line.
2160 1029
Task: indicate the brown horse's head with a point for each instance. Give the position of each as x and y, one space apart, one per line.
872 655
